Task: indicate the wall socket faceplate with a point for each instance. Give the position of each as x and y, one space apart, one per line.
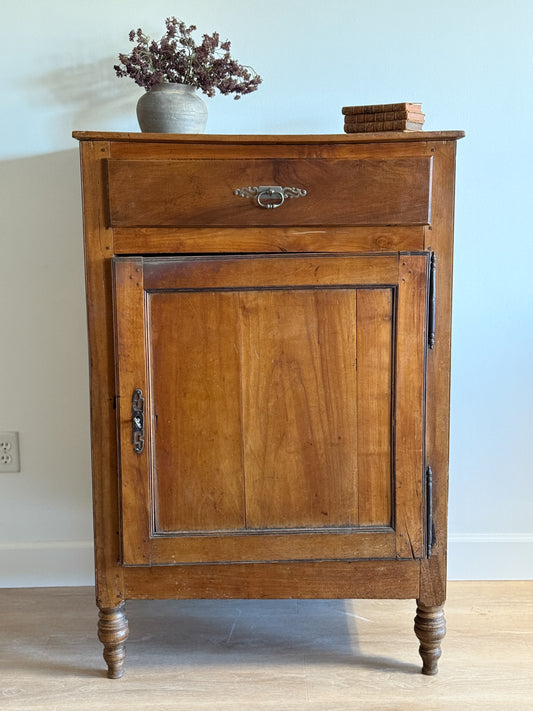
9 452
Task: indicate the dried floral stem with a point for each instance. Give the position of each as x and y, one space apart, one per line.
177 58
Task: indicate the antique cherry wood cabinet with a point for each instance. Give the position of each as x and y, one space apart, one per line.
269 328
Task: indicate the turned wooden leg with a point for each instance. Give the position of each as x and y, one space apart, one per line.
113 632
430 628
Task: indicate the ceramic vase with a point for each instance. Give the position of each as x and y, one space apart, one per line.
172 108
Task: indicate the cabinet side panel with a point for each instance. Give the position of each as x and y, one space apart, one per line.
196 411
374 406
440 241
299 405
98 250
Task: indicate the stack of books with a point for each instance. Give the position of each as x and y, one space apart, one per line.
383 117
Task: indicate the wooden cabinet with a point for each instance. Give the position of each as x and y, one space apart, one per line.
269 327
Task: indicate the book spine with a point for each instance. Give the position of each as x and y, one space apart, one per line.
386 116
376 126
379 108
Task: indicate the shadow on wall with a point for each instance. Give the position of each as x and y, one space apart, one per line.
45 396
92 95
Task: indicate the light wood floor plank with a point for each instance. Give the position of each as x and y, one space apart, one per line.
288 655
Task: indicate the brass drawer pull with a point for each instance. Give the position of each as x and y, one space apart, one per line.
270 196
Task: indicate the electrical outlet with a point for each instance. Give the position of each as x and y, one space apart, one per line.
9 452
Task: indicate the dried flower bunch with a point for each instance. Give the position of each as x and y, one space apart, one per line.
178 59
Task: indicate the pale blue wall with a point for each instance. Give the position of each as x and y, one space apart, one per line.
470 64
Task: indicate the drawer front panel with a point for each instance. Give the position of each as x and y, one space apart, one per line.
202 193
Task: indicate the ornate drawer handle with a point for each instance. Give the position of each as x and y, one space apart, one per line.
264 194
137 420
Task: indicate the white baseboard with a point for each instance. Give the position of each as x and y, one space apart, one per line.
46 564
502 556
70 563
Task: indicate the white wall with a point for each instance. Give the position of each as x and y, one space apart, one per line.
470 64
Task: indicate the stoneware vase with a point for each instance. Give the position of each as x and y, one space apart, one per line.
172 108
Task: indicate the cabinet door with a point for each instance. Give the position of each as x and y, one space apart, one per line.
271 408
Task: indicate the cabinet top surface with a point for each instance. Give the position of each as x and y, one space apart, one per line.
383 137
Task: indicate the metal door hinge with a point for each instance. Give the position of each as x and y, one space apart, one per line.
430 528
432 299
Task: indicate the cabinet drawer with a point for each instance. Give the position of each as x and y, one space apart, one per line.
222 192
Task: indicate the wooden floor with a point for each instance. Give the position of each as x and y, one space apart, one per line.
286 655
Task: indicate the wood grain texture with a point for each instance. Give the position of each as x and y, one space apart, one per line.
271 546
113 631
268 404
132 374
440 241
169 240
299 408
410 404
391 346
239 272
279 139
98 245
198 192
252 150
375 388
196 380
322 579
430 628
